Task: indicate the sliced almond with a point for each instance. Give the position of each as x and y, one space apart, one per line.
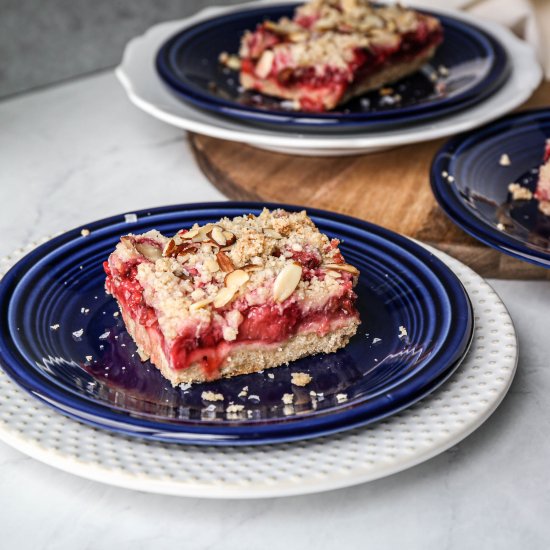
287 281
147 250
190 234
348 5
236 278
211 265
224 296
343 267
251 267
225 262
263 67
218 236
200 304
150 251
272 234
169 248
229 238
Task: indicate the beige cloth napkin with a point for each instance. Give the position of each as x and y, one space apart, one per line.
528 19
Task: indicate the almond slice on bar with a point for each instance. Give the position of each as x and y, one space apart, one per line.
229 238
343 267
263 67
233 281
272 233
225 262
236 278
287 281
224 296
218 236
189 235
251 267
200 304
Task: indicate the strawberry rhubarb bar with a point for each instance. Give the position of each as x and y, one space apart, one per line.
333 50
542 192
233 297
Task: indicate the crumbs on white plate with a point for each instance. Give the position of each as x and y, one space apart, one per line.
300 378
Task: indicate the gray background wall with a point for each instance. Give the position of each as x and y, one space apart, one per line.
44 42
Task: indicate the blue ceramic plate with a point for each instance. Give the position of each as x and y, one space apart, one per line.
60 341
188 63
471 185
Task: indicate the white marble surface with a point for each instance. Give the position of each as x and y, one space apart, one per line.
79 152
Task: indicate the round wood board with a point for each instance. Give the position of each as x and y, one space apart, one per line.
390 188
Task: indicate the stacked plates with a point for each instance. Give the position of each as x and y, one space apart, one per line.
433 357
480 72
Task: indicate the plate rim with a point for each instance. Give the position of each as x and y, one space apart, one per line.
495 76
303 427
463 217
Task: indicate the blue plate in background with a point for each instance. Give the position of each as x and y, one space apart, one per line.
471 185
188 63
60 340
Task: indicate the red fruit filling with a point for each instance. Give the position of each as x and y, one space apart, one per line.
262 324
334 82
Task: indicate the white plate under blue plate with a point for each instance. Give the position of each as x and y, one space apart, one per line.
60 340
407 438
145 89
471 184
476 65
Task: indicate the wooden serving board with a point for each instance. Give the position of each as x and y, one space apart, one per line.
390 188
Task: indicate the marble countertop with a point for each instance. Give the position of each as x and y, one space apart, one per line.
80 151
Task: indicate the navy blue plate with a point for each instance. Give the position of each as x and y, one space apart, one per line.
60 340
188 63
471 185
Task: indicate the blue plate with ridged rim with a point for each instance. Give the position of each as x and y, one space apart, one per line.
476 66
60 340
471 184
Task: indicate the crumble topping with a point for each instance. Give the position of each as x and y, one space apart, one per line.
327 33
342 397
211 396
300 378
288 399
234 408
198 276
519 193
504 160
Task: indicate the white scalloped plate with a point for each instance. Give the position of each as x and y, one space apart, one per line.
412 436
